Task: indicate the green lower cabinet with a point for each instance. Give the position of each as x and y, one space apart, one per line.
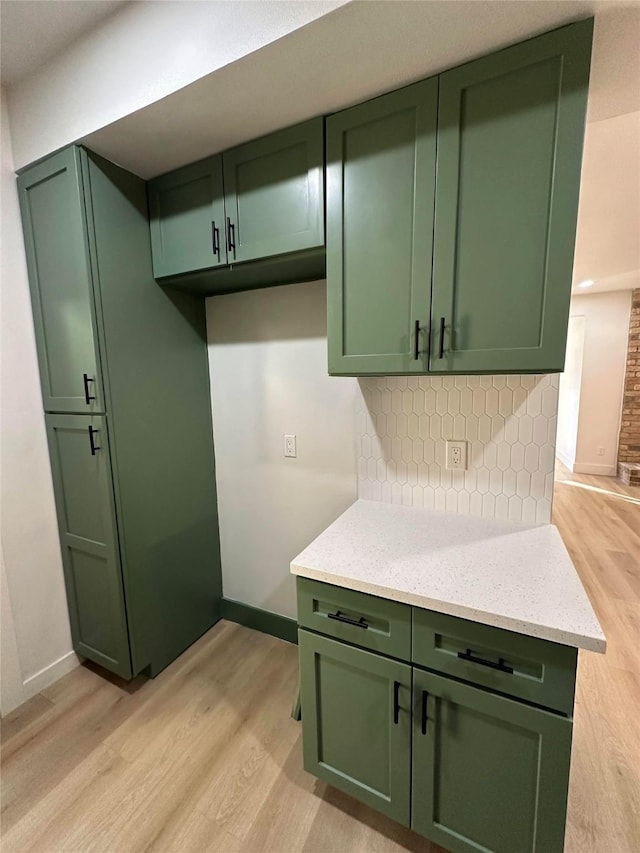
81 468
356 721
489 773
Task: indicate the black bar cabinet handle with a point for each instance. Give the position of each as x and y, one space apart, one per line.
92 444
87 396
215 239
442 328
501 665
340 617
231 236
425 719
396 702
416 342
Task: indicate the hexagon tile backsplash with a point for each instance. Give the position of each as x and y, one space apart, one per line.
509 423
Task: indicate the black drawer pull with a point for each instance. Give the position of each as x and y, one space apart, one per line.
396 702
501 665
441 347
215 240
231 237
87 395
416 341
94 447
340 617
425 719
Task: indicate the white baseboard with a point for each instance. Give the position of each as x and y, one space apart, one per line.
37 682
566 460
601 470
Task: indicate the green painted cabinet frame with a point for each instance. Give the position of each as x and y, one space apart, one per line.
381 160
186 219
58 263
83 488
356 717
483 771
489 773
262 201
460 263
274 193
152 548
510 135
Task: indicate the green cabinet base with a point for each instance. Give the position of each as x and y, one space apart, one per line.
252 275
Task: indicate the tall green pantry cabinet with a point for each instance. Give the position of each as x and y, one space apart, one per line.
124 378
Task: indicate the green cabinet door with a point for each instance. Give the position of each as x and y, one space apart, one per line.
274 193
356 722
510 133
79 450
489 773
381 158
186 212
53 220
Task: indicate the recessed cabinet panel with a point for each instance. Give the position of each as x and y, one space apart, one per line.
529 668
488 773
274 190
380 187
363 620
510 132
61 288
79 449
356 721
187 219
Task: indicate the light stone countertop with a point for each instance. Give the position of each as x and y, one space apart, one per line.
507 574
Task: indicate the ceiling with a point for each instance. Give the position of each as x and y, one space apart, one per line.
34 31
360 50
357 51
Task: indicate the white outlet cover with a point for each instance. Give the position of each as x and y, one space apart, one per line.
456 455
290 446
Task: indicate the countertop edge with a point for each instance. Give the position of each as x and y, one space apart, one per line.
543 632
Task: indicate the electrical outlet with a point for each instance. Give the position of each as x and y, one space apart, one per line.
600 451
290 445
457 455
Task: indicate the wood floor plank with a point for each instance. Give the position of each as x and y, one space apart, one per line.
206 758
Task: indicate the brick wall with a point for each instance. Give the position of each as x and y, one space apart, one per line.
629 447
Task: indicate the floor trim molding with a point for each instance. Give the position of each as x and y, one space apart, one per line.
260 620
599 470
46 676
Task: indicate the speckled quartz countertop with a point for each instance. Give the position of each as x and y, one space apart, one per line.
511 575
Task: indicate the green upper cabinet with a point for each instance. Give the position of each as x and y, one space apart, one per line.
186 211
79 448
381 159
57 254
259 201
489 774
274 193
510 134
470 272
356 722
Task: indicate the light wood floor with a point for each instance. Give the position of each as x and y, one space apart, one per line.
206 758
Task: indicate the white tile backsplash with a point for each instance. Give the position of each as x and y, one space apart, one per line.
508 421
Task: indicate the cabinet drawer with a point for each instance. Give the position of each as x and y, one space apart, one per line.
381 625
535 670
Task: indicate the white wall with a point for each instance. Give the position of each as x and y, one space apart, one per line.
137 56
268 364
606 329
569 396
36 643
